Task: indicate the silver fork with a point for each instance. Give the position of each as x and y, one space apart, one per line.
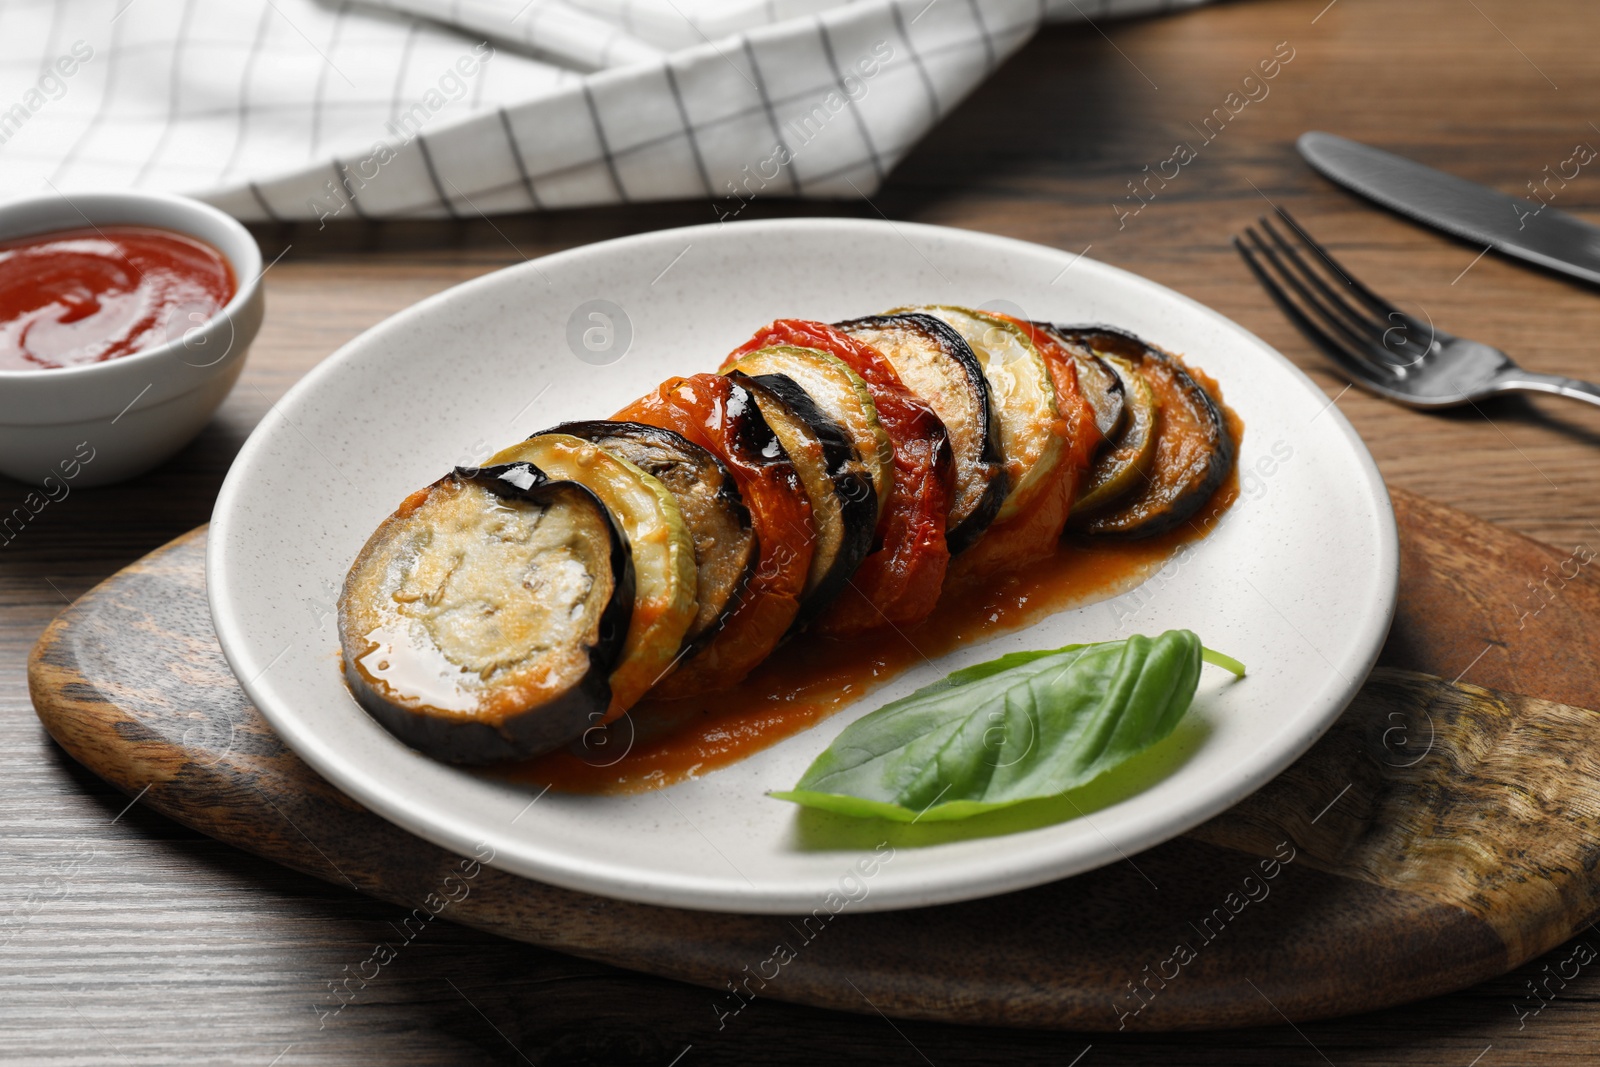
1376 345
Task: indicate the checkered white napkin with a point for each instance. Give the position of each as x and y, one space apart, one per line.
323 109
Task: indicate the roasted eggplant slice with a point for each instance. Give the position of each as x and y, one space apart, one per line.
1023 397
708 500
899 583
1033 533
939 367
1194 450
483 618
663 553
838 392
1120 470
844 508
719 414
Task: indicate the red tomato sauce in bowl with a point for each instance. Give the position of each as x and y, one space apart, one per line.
77 297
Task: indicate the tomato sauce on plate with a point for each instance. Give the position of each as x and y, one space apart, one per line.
77 297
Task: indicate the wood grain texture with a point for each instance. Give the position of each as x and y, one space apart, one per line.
168 947
1440 834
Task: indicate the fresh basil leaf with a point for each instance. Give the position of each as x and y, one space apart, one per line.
1024 726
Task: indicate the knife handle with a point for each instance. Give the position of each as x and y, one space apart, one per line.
1523 381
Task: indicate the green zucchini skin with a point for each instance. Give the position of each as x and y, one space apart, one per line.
530 731
711 505
958 392
1147 514
855 502
1119 470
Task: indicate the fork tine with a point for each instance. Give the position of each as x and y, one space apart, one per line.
1371 332
1373 301
1358 347
1356 369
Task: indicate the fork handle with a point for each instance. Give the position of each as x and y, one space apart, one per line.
1522 381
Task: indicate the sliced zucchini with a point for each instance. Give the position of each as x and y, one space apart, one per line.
1121 469
483 618
1100 384
663 553
1193 450
840 394
709 501
1023 396
936 363
844 508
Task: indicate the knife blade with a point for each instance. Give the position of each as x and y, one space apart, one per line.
1526 229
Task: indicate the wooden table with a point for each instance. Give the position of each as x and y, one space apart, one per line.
125 938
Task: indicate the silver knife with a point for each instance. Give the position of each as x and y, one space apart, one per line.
1525 228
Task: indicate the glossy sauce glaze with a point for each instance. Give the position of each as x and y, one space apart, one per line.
77 297
660 742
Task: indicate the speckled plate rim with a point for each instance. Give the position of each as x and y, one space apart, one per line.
742 857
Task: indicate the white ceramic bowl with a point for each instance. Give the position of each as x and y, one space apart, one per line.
105 422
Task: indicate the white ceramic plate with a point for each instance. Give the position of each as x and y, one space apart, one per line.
1298 581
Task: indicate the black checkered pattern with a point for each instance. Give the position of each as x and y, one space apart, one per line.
319 109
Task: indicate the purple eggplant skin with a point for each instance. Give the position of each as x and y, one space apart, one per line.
857 503
980 458
1133 519
534 730
726 552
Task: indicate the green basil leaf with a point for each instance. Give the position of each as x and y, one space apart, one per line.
1024 726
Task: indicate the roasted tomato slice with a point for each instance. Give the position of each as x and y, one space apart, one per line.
899 582
1034 532
719 415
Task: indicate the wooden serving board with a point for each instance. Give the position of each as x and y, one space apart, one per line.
1440 834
